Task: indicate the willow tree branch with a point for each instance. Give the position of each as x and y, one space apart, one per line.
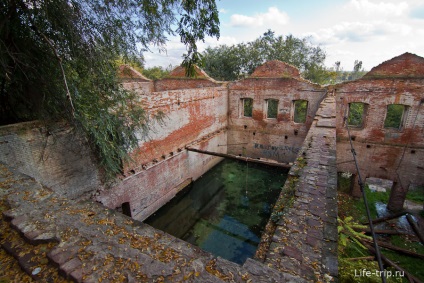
68 93
45 38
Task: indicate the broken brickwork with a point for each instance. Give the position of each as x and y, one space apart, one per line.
395 154
194 114
279 138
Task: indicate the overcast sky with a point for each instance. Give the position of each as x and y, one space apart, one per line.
372 31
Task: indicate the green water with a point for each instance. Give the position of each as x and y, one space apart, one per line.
225 211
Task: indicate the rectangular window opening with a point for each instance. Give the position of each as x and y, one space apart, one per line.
356 114
394 116
247 107
272 108
300 111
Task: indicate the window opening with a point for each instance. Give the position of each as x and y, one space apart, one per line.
356 114
300 111
272 108
394 116
247 104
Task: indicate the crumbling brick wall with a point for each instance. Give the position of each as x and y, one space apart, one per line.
206 114
278 138
396 154
195 114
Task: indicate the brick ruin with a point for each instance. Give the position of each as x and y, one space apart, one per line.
274 115
396 154
209 116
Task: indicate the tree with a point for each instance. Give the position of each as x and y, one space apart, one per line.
233 62
58 60
341 76
157 72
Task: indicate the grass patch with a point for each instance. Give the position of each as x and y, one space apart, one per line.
372 198
416 195
348 206
409 264
407 243
348 267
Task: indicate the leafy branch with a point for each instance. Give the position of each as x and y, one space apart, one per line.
347 233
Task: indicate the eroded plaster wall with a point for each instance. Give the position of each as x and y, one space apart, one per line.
55 156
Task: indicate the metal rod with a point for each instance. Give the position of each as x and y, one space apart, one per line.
240 158
232 144
361 185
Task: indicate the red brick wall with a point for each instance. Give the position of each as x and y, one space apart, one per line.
278 139
394 154
194 115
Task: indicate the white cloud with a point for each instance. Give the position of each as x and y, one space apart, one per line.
360 32
213 42
223 11
384 8
269 19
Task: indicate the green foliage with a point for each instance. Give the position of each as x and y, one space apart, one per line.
347 234
356 114
59 61
247 107
237 61
272 108
394 116
350 249
157 72
300 111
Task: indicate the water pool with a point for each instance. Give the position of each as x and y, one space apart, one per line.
225 211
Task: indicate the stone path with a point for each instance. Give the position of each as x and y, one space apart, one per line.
305 238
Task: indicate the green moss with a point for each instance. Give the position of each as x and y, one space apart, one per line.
347 269
301 162
286 198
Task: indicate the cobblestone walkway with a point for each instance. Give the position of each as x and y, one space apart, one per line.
305 238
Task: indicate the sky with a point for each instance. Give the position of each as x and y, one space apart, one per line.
372 31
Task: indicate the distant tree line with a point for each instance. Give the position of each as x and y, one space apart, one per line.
228 63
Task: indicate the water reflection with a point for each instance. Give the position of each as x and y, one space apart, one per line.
224 211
